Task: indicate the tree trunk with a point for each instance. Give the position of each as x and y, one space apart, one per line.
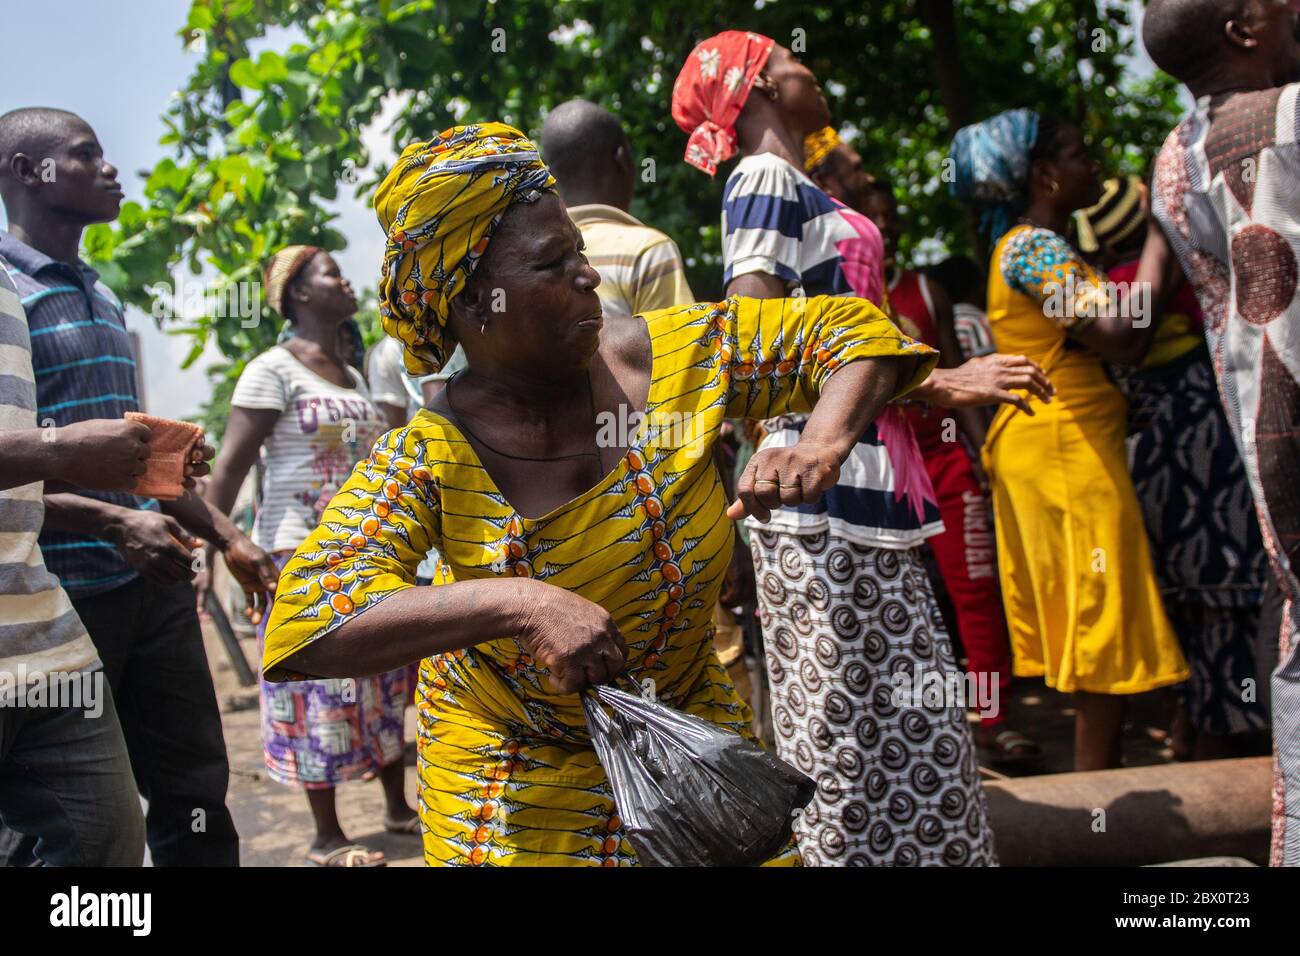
949 71
954 88
220 36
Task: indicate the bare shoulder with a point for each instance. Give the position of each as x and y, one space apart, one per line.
625 345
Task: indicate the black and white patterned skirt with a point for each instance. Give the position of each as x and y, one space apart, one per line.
896 778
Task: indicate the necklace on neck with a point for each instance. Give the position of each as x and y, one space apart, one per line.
460 420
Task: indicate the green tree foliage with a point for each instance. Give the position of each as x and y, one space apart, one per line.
260 140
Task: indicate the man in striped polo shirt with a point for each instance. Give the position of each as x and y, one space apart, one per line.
640 268
125 561
65 779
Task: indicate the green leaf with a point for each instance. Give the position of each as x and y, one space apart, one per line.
243 73
98 241
294 175
200 18
114 276
131 215
271 67
166 175
195 352
232 168
195 220
247 134
323 60
255 179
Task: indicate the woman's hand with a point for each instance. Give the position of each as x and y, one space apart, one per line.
785 476
255 572
987 380
575 639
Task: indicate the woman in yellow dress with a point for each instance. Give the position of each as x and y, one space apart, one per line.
1082 600
570 489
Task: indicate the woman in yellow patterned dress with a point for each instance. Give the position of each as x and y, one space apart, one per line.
1081 597
581 537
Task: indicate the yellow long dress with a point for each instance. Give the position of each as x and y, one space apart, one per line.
507 772
1082 602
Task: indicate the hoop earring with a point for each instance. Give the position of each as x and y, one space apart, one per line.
482 329
1056 187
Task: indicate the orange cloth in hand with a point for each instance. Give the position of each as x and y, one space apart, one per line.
170 444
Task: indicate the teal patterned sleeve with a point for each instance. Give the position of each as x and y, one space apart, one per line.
1042 265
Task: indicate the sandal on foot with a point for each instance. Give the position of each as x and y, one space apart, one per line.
1011 747
353 855
411 826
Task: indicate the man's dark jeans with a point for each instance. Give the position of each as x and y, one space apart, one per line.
66 793
148 637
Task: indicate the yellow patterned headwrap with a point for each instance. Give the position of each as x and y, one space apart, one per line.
817 146
439 206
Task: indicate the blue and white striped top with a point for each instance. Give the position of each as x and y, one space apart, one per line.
85 368
777 221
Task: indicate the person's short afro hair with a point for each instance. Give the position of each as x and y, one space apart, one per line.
34 130
1185 37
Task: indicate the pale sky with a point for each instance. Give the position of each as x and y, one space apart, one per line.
116 63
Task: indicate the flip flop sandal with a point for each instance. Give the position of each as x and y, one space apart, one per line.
411 826
1005 745
351 856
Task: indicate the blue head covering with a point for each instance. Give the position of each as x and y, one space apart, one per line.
991 162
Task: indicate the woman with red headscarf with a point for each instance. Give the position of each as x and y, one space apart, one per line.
853 632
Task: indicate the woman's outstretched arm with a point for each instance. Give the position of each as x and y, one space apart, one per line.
574 638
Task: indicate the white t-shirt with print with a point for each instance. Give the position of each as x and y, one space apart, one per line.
322 432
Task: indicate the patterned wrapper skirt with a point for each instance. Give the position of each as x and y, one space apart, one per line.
897 783
317 734
1210 558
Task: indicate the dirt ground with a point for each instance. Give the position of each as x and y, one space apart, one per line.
273 820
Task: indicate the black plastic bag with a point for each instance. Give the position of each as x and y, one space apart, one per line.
689 792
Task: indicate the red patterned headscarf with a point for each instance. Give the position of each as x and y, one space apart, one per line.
711 90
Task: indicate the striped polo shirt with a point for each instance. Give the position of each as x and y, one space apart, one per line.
39 630
640 268
777 221
85 368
